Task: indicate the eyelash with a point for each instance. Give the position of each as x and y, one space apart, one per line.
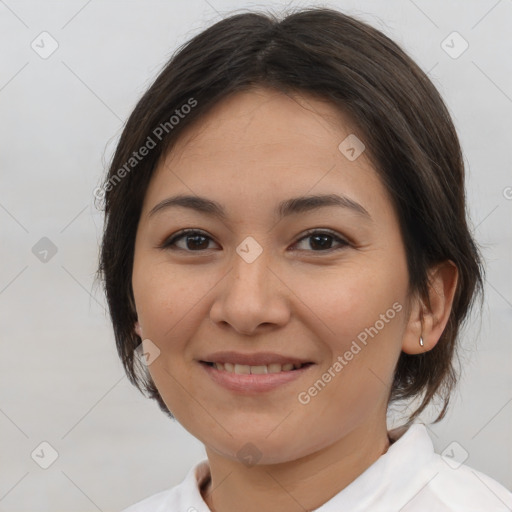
170 242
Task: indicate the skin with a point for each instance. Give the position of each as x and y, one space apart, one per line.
253 150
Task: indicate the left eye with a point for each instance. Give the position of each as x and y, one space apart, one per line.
323 239
197 241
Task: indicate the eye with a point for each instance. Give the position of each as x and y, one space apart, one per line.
320 241
197 241
193 240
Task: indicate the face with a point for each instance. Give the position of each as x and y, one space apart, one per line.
326 285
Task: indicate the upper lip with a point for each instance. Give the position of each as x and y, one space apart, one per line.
259 359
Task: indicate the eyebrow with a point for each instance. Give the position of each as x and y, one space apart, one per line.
286 208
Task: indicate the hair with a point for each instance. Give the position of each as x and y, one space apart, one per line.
400 115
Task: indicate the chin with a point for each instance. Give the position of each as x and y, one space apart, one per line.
258 449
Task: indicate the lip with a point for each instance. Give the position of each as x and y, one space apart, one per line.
253 383
259 359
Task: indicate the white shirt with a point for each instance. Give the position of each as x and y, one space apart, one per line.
409 477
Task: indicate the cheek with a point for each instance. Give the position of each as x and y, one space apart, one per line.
361 310
351 298
164 296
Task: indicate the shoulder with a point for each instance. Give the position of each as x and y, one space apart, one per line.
420 480
471 488
185 497
156 502
453 487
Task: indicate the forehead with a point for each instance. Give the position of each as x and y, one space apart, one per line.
260 117
262 145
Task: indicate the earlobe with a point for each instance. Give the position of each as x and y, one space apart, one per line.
138 330
427 322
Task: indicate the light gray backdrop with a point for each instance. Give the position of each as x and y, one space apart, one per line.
61 111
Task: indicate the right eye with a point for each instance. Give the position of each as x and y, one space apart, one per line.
195 241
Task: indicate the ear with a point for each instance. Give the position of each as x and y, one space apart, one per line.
138 329
430 323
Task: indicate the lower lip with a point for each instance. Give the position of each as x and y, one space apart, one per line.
253 383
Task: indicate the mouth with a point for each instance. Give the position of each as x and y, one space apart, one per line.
244 369
251 380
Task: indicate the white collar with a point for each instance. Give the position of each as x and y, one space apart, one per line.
386 478
409 477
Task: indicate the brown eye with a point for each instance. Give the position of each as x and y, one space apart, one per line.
321 241
197 241
194 241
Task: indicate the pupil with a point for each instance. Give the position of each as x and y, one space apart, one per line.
325 240
195 238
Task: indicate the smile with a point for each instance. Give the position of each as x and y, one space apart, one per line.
244 369
247 379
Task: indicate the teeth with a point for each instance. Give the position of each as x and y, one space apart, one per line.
244 369
274 368
259 369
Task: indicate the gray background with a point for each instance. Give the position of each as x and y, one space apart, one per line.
60 117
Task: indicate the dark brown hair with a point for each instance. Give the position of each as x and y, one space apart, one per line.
399 113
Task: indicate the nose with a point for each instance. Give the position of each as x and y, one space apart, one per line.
252 296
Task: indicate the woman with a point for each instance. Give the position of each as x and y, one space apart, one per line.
285 255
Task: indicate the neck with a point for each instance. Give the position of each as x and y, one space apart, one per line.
293 486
